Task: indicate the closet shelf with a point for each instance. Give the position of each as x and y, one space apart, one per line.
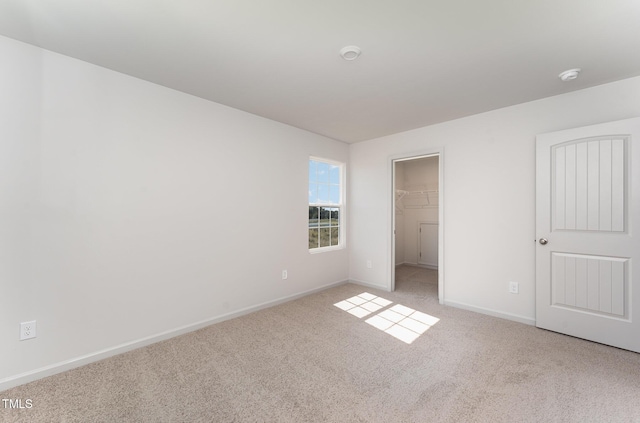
417 199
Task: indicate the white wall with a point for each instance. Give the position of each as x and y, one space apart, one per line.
129 210
421 174
489 194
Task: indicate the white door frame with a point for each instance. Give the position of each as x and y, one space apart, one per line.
391 240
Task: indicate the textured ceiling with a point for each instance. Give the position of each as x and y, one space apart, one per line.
422 62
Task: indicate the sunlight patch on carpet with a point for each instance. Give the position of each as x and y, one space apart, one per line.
401 322
362 305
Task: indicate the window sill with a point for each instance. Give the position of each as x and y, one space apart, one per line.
326 249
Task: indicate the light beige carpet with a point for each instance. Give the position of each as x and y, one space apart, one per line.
310 361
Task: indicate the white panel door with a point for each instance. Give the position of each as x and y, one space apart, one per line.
428 251
588 230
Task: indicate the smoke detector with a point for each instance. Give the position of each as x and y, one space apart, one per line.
350 52
569 75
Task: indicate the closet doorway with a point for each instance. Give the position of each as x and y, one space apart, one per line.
417 226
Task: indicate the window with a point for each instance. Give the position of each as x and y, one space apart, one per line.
325 204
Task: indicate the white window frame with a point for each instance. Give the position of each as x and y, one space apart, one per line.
341 206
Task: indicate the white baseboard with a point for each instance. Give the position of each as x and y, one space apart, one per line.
63 366
369 285
494 313
424 266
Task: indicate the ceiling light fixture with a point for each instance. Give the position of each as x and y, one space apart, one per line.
569 75
350 52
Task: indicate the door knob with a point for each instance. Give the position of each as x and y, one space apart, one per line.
543 241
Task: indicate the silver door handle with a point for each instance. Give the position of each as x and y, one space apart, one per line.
543 241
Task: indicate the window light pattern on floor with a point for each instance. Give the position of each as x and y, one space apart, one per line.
401 322
362 305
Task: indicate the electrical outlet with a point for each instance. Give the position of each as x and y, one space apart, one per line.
284 274
27 330
369 264
514 288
